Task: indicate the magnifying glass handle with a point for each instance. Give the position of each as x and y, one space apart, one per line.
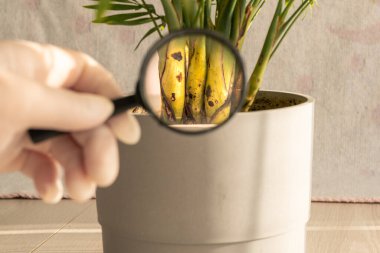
120 105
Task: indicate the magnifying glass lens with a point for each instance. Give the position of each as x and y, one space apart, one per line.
193 83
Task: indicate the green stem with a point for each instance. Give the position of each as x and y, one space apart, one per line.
286 11
225 17
207 16
251 12
171 15
288 25
178 8
189 8
198 21
102 8
256 78
237 21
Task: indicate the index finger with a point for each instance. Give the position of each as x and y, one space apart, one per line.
94 78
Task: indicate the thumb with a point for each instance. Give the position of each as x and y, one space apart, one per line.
61 109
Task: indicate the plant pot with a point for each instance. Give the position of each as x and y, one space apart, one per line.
242 188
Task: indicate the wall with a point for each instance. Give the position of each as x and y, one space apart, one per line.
332 54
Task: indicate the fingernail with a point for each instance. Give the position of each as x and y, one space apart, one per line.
53 193
83 193
126 128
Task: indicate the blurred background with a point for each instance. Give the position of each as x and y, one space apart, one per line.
331 54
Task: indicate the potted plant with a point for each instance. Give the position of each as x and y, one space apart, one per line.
243 188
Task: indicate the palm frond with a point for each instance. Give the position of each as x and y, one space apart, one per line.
146 35
133 13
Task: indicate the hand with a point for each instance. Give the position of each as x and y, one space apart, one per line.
42 86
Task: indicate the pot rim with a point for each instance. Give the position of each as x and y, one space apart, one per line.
308 100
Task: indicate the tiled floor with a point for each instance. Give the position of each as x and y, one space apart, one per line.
31 226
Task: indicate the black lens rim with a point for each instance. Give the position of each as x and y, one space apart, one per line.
180 33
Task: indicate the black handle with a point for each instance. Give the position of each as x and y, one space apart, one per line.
120 105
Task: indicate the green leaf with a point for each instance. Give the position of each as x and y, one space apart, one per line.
116 7
237 21
121 17
118 1
198 20
290 22
178 8
148 7
220 5
289 4
131 22
224 21
189 8
250 13
102 8
152 18
207 16
171 15
150 31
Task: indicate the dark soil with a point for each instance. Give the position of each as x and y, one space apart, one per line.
264 103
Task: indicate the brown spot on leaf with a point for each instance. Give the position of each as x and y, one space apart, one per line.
216 102
177 56
173 97
179 77
191 96
210 103
208 91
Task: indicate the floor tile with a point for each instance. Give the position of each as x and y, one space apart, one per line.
34 214
334 214
88 219
27 224
73 242
31 226
21 243
343 241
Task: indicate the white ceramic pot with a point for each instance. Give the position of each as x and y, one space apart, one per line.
242 188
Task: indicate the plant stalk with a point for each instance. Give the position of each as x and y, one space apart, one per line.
257 75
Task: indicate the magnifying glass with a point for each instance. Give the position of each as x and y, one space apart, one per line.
191 81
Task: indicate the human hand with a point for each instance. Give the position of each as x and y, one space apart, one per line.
46 87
